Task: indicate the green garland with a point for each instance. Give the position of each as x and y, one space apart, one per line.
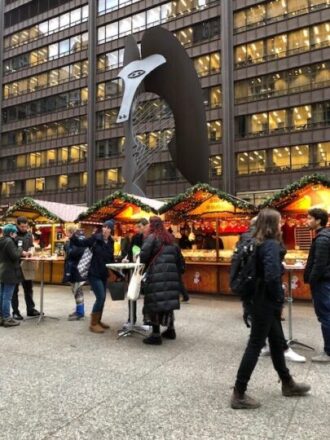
238 203
287 193
107 200
30 204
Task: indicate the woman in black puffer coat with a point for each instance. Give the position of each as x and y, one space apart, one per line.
163 287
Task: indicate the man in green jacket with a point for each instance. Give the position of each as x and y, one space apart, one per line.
10 272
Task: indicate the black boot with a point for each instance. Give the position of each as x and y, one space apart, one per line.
153 340
243 401
290 388
169 333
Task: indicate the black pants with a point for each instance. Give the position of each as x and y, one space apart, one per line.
266 322
28 295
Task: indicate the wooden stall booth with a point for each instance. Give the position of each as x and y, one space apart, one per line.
125 209
48 221
211 221
293 202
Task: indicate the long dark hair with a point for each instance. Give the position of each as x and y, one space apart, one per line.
157 228
267 225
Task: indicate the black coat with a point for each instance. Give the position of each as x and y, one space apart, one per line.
73 254
269 271
24 240
137 240
164 266
102 254
10 268
318 262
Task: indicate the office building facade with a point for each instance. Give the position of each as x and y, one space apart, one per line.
264 68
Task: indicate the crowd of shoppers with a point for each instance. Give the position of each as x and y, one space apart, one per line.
162 286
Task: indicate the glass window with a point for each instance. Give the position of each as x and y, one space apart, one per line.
321 73
240 55
301 117
216 166
295 6
240 19
100 178
112 31
256 14
65 21
43 29
64 47
62 181
299 40
299 78
277 46
75 16
139 22
84 95
74 43
215 96
53 51
321 35
277 120
299 157
63 155
101 7
214 131
242 163
101 34
84 40
259 123
257 162
100 91
53 25
323 154
53 77
255 52
166 11
84 13
125 26
281 158
153 17
34 32
276 8
112 176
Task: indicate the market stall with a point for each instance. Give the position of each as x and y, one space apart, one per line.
293 202
48 221
212 221
125 209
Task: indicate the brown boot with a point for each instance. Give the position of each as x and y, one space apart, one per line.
290 388
105 326
243 401
95 323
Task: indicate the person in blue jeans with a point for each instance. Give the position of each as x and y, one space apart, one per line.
10 273
102 246
317 275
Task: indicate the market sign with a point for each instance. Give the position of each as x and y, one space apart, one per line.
314 196
214 205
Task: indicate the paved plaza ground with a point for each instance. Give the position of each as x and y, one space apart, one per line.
59 381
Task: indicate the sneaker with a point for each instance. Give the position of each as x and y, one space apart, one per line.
75 317
291 355
17 316
321 358
292 389
243 401
10 322
265 351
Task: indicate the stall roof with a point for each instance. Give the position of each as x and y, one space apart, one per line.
122 207
42 211
204 201
309 192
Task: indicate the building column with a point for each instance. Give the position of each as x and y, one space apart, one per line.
91 106
227 72
2 22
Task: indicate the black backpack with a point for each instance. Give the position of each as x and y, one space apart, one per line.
243 268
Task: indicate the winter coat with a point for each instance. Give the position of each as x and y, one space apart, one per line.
72 257
318 262
24 240
270 269
10 268
137 240
102 254
164 266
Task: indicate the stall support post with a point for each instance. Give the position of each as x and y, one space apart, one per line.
217 239
53 238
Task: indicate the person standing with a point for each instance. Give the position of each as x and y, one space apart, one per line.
10 272
24 241
164 265
102 246
71 275
267 302
317 275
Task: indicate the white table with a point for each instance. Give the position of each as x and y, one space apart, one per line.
41 261
129 328
291 268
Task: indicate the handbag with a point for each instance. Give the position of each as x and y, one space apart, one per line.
85 263
134 286
117 290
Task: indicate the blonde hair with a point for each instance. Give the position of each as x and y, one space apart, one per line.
71 229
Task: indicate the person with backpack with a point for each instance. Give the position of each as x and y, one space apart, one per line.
317 275
164 265
102 247
290 355
265 281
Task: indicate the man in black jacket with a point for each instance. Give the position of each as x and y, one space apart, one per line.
24 241
317 275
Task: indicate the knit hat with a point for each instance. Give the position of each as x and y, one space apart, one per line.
110 224
8 229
